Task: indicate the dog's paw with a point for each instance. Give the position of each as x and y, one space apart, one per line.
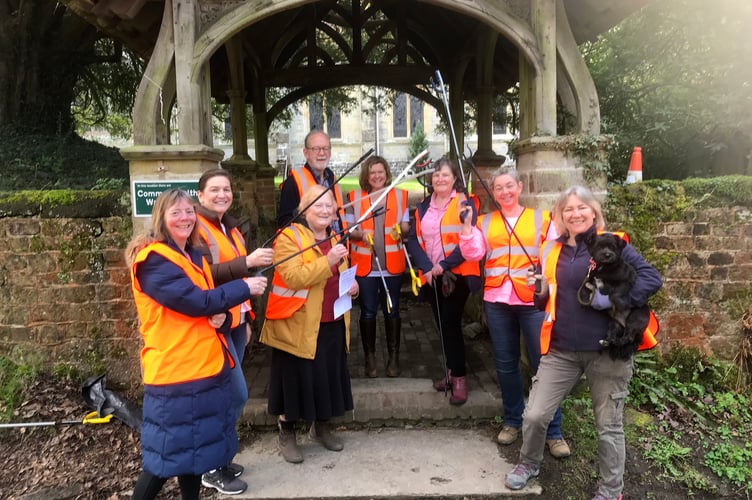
622 353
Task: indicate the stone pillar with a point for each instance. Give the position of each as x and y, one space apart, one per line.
243 172
266 202
485 91
549 165
193 84
543 13
237 122
265 191
167 164
538 91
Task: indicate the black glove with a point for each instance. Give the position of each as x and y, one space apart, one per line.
447 283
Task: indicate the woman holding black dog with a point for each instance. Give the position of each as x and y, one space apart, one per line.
570 344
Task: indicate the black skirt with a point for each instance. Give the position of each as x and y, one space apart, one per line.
317 389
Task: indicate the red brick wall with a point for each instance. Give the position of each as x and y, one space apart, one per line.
65 292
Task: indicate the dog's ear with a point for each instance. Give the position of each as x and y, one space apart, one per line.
589 239
620 242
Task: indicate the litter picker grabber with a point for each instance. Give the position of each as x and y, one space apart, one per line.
375 213
394 183
377 192
414 279
447 382
90 418
106 402
438 85
381 273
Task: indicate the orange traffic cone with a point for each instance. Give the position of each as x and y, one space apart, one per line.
635 166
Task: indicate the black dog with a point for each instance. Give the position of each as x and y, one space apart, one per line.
612 276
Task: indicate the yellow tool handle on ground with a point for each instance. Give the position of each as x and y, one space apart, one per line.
92 418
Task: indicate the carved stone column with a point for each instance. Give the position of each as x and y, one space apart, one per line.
549 165
167 165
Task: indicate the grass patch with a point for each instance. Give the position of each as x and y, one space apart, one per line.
352 183
13 378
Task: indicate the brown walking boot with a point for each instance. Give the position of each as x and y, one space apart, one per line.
321 432
288 444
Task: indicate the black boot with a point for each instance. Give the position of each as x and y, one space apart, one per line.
368 336
393 327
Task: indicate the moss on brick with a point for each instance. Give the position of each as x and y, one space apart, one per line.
65 203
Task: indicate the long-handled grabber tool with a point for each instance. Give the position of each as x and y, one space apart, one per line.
381 273
447 382
90 418
414 279
373 214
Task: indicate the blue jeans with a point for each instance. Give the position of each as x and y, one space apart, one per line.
505 323
236 346
373 295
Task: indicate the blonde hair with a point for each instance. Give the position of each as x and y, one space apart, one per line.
158 231
587 197
313 193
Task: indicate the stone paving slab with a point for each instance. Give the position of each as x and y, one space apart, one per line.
408 462
409 397
398 399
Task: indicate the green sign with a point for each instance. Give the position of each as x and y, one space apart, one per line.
146 193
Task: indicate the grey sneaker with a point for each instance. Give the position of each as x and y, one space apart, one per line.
223 481
520 475
235 469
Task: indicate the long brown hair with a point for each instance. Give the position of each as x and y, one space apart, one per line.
158 231
365 171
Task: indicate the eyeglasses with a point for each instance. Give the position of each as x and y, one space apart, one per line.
319 149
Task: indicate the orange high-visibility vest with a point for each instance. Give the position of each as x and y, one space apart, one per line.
222 250
284 301
505 258
450 238
549 258
396 206
177 348
304 180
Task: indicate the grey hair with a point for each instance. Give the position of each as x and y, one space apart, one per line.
587 197
510 171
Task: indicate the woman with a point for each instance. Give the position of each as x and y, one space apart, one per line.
225 250
434 245
309 379
185 362
379 238
570 345
510 241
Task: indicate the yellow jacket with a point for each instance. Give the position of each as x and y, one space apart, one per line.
298 333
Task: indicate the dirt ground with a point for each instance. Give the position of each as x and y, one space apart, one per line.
103 461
